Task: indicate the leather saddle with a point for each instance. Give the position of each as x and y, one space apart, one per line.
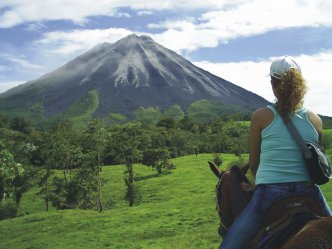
283 219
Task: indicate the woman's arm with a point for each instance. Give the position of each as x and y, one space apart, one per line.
254 144
260 119
317 123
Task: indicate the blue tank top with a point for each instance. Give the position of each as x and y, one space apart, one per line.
280 157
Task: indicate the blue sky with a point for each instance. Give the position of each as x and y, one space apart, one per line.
234 39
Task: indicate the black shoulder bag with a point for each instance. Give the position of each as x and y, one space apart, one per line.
317 162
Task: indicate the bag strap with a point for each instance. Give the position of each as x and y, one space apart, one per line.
307 154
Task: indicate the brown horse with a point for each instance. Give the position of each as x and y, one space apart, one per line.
234 191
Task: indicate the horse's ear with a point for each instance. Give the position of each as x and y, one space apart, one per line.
244 169
215 169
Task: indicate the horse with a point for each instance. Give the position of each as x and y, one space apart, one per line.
291 223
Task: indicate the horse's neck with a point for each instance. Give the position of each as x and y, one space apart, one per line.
234 199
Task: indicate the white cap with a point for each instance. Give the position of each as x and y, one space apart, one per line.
281 65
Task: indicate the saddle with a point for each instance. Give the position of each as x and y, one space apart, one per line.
285 218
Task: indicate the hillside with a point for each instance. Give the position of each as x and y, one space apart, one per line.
175 210
119 78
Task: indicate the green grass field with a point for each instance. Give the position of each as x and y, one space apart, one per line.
327 136
174 210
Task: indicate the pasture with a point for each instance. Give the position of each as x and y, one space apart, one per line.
174 210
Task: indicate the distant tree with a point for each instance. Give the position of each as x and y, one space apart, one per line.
239 133
181 142
127 141
96 137
217 159
157 158
187 124
147 116
219 136
10 171
69 150
167 122
53 151
174 112
47 150
21 149
20 124
78 153
3 120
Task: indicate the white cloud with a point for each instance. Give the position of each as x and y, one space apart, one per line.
4 86
253 77
17 63
77 41
16 12
144 12
317 71
35 27
244 19
122 14
236 16
77 11
24 63
219 24
250 75
220 21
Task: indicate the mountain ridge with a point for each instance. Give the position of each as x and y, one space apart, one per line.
132 72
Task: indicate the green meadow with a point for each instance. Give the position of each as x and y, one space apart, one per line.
172 210
327 137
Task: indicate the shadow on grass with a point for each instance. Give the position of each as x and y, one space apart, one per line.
141 178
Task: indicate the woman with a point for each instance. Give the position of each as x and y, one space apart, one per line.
274 157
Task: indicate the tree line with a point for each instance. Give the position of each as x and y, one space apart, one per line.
31 156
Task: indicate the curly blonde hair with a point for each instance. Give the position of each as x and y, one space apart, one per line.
290 91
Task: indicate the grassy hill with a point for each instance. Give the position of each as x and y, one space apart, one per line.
175 210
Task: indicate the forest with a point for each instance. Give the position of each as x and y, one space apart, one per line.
32 155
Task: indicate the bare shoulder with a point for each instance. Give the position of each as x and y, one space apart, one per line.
315 120
262 117
317 123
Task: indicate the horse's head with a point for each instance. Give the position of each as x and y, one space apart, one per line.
233 193
216 170
239 171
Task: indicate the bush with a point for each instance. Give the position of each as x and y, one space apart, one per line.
239 162
8 209
217 159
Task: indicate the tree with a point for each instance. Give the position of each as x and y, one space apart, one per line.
47 150
19 146
167 122
157 158
96 136
127 141
219 136
147 116
174 112
187 124
9 172
20 124
3 120
239 133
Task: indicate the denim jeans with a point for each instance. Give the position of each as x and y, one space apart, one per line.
250 221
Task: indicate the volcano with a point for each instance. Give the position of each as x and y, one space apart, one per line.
130 73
